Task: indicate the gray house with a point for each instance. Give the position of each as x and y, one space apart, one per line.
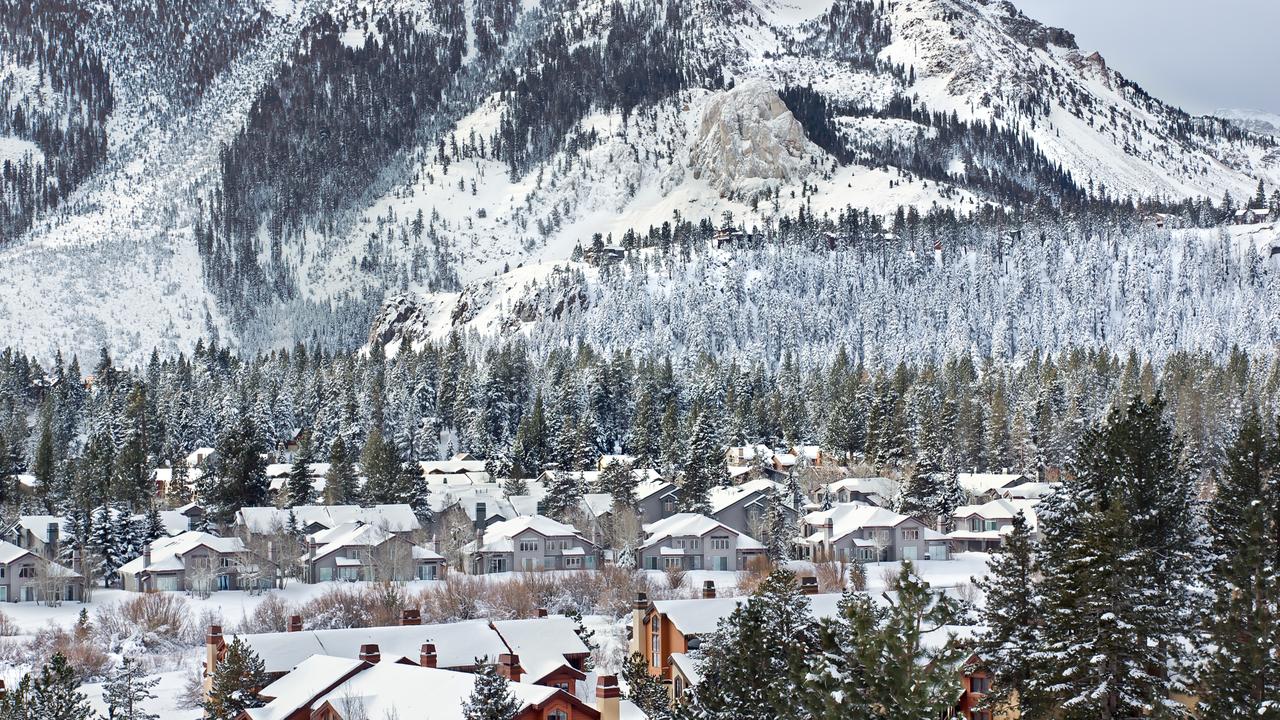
742 507
358 551
867 533
982 528
655 499
27 577
689 541
41 534
530 542
195 561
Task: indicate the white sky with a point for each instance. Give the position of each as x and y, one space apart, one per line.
1199 54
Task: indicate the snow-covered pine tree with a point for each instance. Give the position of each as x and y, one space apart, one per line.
381 469
645 689
704 466
619 482
564 496
178 493
299 487
1240 675
236 680
872 656
55 694
1121 553
341 486
776 532
755 662
1011 618
125 691
920 495
107 544
415 491
491 698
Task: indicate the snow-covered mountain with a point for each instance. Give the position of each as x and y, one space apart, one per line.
310 161
1258 121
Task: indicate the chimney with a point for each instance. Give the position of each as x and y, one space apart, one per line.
481 513
809 585
51 535
708 589
608 697
213 643
427 656
828 529
637 621
410 616
146 555
295 623
370 654
509 666
542 612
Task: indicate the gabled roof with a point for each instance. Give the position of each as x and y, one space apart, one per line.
297 689
397 517
700 616
880 487
543 644
457 644
452 467
723 498
981 483
167 553
848 518
351 534
1001 509
498 536
693 525
650 486
388 690
10 552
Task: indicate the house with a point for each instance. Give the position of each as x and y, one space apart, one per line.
530 542
278 477
25 576
396 518
810 455
196 561
987 486
865 533
689 541
748 454
199 457
327 688
877 491
604 255
358 551
607 460
982 528
459 469
41 534
656 499
1252 215
551 652
743 507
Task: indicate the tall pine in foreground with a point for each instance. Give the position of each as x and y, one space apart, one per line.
1011 616
236 681
644 689
491 698
755 661
885 653
126 689
1241 674
1120 556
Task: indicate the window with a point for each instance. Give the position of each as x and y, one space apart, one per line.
991 524
2 569
866 553
573 562
557 715
326 574
979 684
426 572
563 685
655 643
678 543
679 686
911 534
224 562
719 543
975 524
694 544
673 562
27 571
669 505
530 546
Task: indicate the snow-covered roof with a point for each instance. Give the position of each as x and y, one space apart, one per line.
397 517
689 667
725 497
981 483
700 616
453 467
693 525
10 552
542 643
808 452
457 644
1001 509
351 534
38 525
297 689
652 485
389 689
167 553
1029 491
878 487
607 460
847 518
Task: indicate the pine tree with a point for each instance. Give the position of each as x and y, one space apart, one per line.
1120 556
1011 618
620 483
491 699
178 493
753 664
416 492
564 496
381 469
55 694
238 472
704 466
237 678
873 660
126 689
776 531
1241 676
515 487
340 483
300 488
645 689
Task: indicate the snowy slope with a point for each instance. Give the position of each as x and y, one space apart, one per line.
118 264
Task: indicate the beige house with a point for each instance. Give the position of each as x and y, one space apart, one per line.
27 577
193 561
359 551
531 542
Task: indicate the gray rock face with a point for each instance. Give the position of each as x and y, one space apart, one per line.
747 141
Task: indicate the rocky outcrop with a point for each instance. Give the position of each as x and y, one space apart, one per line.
748 141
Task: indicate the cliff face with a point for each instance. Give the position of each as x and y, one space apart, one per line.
748 141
